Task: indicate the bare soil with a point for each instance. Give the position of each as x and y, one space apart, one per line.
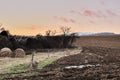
100 41
108 69
102 50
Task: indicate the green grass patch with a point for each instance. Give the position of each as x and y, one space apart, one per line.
45 63
23 67
18 68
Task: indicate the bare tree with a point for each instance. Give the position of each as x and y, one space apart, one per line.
1 29
38 36
65 30
48 33
53 32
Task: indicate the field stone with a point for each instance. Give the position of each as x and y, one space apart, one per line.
19 53
5 52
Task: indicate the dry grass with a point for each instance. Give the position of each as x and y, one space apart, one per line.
7 62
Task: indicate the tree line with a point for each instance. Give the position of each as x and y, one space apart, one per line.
49 41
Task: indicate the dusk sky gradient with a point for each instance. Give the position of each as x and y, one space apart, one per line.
30 17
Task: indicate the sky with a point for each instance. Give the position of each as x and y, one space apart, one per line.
31 17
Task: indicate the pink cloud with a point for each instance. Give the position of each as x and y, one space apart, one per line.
97 14
87 13
66 20
75 12
73 21
101 14
91 13
92 22
72 11
110 13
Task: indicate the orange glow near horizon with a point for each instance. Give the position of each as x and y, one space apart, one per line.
32 30
31 17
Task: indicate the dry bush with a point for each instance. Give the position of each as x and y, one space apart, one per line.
5 52
19 53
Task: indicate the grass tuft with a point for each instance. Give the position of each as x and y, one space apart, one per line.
23 67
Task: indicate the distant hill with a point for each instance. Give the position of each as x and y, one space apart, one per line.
104 34
94 34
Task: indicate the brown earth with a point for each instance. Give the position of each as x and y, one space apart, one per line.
108 69
100 41
102 50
